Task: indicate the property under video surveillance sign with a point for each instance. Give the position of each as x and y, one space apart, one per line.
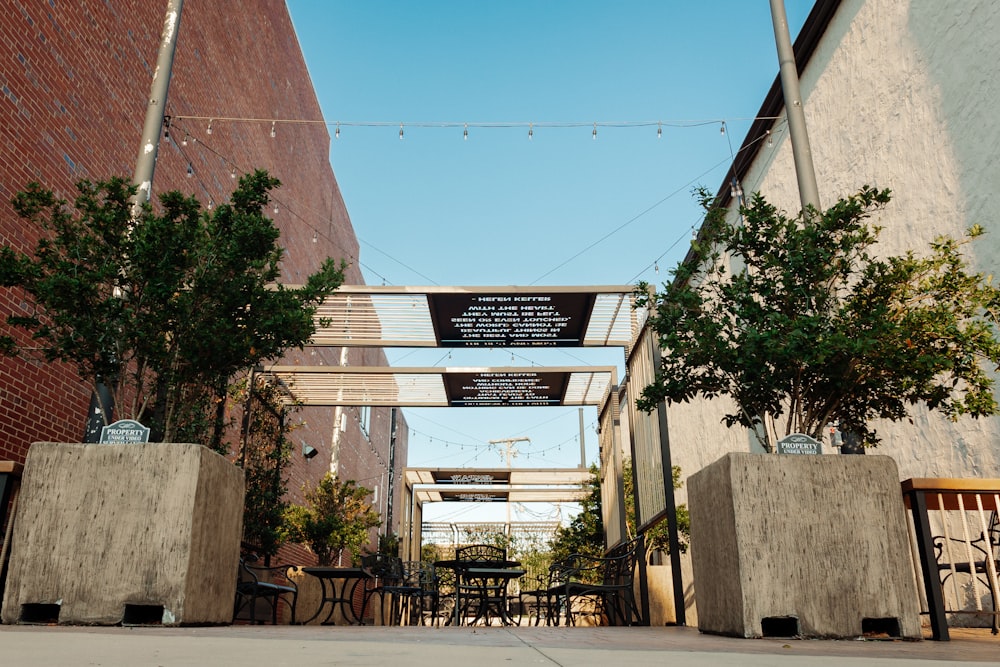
510 320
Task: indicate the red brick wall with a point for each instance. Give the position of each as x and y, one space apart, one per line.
74 78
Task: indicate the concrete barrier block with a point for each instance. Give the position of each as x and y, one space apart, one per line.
138 533
810 546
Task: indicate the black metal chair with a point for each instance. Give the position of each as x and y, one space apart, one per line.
255 584
406 593
385 571
984 563
608 581
477 596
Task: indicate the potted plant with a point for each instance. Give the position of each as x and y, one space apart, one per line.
165 311
800 324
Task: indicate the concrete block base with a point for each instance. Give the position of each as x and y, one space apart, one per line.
809 546
135 534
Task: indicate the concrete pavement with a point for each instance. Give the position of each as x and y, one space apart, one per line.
476 647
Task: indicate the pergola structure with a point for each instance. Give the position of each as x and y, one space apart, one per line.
503 317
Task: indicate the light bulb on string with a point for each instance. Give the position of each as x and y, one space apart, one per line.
465 133
315 237
770 139
659 130
272 129
722 128
276 209
232 174
400 130
531 131
184 141
336 133
656 268
208 130
190 171
593 134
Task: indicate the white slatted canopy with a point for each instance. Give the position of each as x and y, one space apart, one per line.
444 387
516 485
388 316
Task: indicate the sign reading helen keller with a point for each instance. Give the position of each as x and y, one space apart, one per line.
510 320
505 388
124 432
799 443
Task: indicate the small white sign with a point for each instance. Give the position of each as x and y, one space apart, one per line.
799 443
124 432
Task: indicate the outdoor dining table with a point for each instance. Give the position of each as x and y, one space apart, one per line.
350 578
478 575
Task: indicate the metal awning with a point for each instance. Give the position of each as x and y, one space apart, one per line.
390 316
515 485
444 387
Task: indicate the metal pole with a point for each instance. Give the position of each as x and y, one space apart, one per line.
583 445
391 491
102 406
801 153
151 129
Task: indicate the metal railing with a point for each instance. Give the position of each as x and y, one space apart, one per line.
961 541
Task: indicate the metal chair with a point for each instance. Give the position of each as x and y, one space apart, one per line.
385 571
982 561
477 596
254 583
612 591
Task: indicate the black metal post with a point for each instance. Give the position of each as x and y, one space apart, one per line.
928 566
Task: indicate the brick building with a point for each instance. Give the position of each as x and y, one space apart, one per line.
74 78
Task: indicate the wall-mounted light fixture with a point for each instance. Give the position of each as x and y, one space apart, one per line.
309 451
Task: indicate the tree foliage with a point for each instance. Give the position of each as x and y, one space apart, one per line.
585 533
264 456
165 309
796 320
337 516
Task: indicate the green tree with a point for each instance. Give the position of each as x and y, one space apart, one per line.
657 537
812 329
165 309
337 516
585 533
264 456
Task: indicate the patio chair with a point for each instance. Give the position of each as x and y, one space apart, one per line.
407 593
479 596
983 549
256 583
608 581
439 594
385 571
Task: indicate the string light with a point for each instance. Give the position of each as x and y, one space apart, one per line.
722 128
190 172
594 133
232 174
531 131
770 139
465 132
656 268
208 130
336 134
272 129
659 130
400 130
315 237
184 141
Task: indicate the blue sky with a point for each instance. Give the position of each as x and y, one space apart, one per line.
562 208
